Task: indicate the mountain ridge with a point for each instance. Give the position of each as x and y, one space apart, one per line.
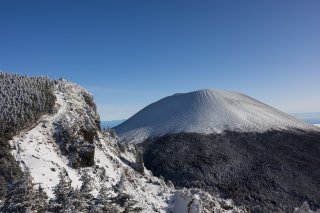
206 111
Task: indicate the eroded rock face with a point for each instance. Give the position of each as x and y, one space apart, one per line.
266 172
76 131
86 155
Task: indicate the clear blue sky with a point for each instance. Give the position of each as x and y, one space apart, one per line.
131 53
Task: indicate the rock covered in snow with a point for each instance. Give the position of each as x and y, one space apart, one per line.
76 127
305 208
198 201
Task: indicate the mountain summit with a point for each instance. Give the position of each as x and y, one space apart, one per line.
206 111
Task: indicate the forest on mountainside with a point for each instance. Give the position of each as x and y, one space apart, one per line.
272 171
23 100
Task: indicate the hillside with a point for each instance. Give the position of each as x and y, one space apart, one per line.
23 101
66 163
206 111
229 143
272 171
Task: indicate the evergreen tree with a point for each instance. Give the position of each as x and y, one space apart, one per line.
40 198
23 101
123 199
75 203
87 183
23 198
84 196
62 193
103 202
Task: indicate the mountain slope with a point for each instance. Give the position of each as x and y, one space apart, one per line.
206 111
225 142
38 152
272 171
69 140
23 101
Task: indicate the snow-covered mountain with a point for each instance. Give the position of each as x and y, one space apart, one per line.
206 111
66 146
231 143
69 140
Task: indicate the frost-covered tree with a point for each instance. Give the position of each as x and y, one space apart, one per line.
103 202
83 197
40 200
305 208
87 183
62 193
23 100
75 200
23 198
123 199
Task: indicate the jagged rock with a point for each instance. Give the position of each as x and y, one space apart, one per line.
76 133
86 154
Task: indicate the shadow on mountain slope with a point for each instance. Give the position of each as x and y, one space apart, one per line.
267 172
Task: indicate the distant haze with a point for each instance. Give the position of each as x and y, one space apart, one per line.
311 117
111 124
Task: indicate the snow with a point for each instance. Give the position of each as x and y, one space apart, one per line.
206 111
318 125
36 151
198 201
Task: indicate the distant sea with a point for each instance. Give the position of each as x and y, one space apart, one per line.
312 120
111 124
311 117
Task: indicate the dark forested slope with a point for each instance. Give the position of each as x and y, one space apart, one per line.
267 172
22 102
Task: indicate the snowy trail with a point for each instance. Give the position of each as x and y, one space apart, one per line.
37 151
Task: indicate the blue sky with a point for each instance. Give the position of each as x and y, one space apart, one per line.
131 53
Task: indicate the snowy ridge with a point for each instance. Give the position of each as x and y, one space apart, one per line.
206 111
36 151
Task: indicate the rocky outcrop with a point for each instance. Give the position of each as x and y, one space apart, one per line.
76 129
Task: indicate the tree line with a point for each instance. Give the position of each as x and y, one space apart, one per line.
26 197
23 100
